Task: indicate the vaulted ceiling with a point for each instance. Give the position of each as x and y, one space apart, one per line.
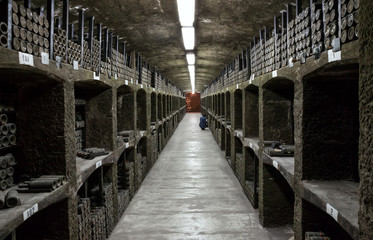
223 29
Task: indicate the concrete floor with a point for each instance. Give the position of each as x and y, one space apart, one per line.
191 193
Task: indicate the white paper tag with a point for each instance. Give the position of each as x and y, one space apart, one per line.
236 86
334 56
29 212
126 82
95 76
45 58
251 79
131 80
116 76
58 61
275 164
153 89
227 89
127 145
141 86
251 145
76 65
291 64
98 164
26 59
332 211
274 73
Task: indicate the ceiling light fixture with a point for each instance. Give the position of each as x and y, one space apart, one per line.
186 10
188 37
191 58
192 75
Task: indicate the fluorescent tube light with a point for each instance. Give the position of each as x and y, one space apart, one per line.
192 70
191 58
188 37
186 9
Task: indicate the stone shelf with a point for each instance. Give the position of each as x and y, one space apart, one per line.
252 143
238 133
86 167
11 218
343 196
285 165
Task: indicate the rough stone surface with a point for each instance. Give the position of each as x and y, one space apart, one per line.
366 121
251 122
238 109
278 119
41 140
99 121
251 176
276 202
141 110
330 128
126 112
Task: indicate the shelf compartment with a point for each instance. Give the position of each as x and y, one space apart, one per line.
141 110
159 104
153 117
239 161
251 118
40 114
85 168
251 181
125 109
228 146
12 218
330 132
285 165
228 107
125 174
238 109
276 200
342 196
96 113
278 119
141 162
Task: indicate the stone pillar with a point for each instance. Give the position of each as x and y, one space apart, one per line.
366 120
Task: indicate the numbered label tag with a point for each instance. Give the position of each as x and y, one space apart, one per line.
127 145
29 212
96 77
76 65
116 76
131 80
332 211
126 82
26 59
275 164
334 56
58 61
153 89
291 64
141 86
251 145
98 164
236 86
251 78
274 74
45 58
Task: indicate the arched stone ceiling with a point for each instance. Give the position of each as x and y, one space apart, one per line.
223 29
